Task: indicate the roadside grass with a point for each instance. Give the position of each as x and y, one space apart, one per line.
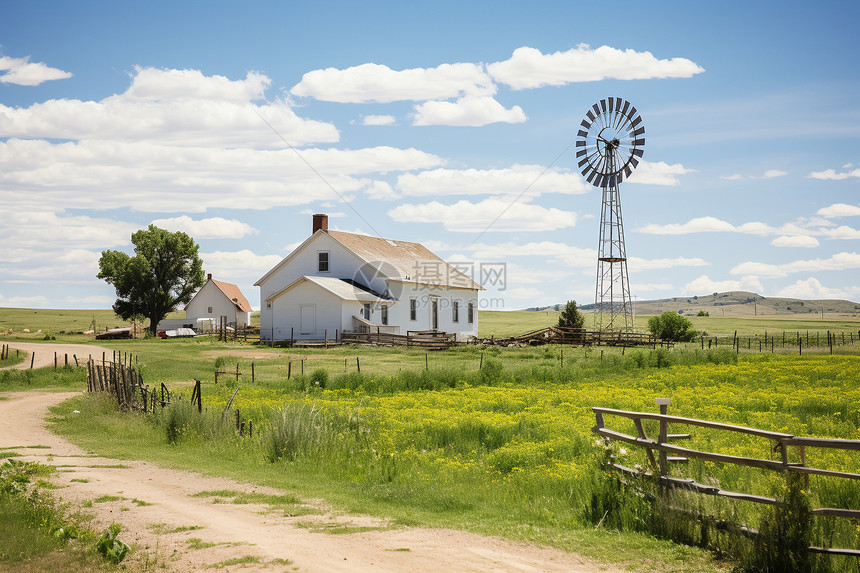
63 378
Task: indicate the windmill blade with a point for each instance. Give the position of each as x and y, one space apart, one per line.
580 143
627 169
603 105
585 124
581 133
611 104
582 162
590 177
596 109
637 121
634 162
624 109
581 152
639 131
638 142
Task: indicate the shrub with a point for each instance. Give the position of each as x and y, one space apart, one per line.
570 316
671 326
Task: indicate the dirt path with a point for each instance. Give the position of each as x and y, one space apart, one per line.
44 353
160 516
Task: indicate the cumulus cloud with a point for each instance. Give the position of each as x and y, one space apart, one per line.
176 107
564 254
490 214
147 176
712 225
795 241
378 120
812 288
529 68
666 263
211 228
467 111
534 179
838 262
20 71
841 232
705 285
771 173
832 175
659 173
238 264
380 84
839 210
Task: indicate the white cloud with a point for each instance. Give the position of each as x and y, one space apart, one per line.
659 173
378 120
839 210
771 173
838 262
651 264
714 225
529 68
188 108
563 254
491 214
697 225
508 181
162 178
212 228
24 301
20 71
842 232
468 112
238 264
733 177
832 175
704 285
379 83
812 288
795 241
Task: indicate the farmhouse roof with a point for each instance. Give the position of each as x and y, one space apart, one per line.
235 295
397 260
342 288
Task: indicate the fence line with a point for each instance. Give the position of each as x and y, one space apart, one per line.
663 448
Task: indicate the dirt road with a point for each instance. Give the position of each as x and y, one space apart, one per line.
159 516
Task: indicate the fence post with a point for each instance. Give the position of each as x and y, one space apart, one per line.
32 359
358 364
664 433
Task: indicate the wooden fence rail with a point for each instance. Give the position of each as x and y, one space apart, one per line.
662 447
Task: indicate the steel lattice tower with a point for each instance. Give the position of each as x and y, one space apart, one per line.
609 146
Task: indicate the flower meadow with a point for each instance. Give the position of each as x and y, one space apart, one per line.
508 444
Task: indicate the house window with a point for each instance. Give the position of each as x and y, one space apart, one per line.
268 305
456 307
210 310
323 262
471 313
384 318
413 309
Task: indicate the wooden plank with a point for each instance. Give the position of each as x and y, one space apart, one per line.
823 443
836 551
837 512
686 452
694 422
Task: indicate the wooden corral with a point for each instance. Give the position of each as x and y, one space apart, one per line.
428 339
577 337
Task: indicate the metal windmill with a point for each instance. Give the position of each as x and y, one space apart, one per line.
609 146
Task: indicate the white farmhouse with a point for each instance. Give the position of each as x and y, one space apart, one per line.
337 282
216 299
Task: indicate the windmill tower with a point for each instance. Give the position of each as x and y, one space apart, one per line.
609 146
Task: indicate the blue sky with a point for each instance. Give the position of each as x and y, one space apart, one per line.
448 124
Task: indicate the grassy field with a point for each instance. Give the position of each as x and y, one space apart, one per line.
492 440
511 323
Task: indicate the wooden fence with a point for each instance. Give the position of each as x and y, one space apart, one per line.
792 340
428 339
579 337
668 453
123 381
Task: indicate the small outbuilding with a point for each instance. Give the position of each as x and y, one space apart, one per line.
216 299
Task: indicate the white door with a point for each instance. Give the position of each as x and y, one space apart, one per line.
434 313
308 319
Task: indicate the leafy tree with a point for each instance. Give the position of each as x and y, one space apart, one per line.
570 316
164 273
671 326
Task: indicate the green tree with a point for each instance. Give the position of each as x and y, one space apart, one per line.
671 326
570 316
163 274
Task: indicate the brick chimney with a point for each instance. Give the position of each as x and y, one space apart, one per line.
209 277
320 222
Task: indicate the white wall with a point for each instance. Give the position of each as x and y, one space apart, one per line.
210 295
445 297
287 309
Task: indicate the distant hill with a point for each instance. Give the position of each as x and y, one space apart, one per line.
736 303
